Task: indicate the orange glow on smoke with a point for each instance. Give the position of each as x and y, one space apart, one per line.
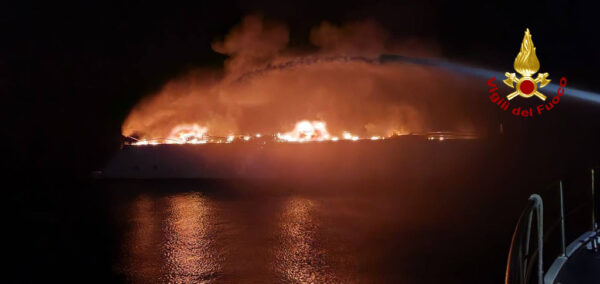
342 90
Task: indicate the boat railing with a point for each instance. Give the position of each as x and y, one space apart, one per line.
521 257
525 264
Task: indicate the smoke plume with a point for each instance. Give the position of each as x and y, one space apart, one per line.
266 87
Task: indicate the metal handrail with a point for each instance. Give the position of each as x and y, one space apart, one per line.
562 221
523 265
540 235
594 211
523 274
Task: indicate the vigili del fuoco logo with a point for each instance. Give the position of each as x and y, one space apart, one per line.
527 65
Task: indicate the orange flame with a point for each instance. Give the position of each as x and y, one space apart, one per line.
188 133
180 134
306 131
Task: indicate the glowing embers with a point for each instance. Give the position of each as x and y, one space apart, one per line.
445 135
306 131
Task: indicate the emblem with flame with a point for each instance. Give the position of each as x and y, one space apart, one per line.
527 65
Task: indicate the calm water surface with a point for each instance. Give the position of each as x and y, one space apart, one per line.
363 233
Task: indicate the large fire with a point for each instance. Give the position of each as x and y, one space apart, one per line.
268 92
180 134
192 134
304 131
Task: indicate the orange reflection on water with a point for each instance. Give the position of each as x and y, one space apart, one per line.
300 259
188 248
170 241
140 256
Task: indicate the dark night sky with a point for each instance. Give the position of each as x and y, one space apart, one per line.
72 71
